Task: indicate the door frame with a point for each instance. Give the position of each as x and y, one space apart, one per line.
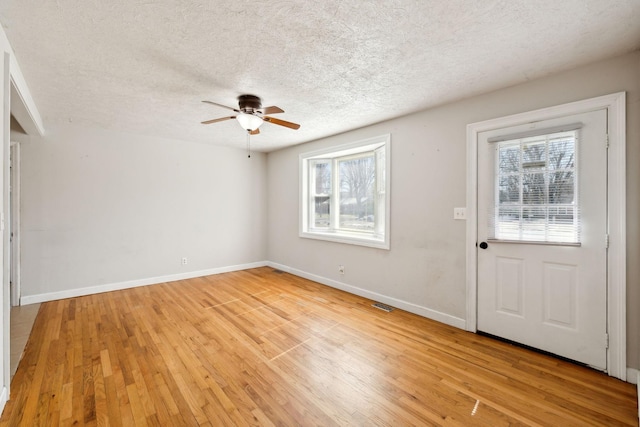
616 214
14 230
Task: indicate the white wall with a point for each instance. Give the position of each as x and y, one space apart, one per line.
425 268
101 208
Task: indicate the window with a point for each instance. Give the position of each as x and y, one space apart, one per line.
345 193
536 189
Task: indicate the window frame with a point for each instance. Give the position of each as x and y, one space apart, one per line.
380 237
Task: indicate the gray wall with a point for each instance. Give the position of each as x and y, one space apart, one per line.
426 264
102 207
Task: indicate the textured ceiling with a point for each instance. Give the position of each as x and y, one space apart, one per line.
143 66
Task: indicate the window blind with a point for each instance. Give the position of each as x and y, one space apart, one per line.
536 189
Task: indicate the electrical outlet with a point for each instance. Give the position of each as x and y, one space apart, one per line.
341 269
185 261
459 213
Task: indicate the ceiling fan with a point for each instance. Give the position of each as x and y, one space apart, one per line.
251 114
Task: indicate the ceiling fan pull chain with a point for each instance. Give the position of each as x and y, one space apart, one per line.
248 144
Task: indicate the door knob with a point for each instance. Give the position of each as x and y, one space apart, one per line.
484 245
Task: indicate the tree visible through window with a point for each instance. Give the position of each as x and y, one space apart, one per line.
322 193
536 189
357 193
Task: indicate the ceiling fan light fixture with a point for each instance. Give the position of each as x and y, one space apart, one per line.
249 122
251 115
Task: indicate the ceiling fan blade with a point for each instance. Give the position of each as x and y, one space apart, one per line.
221 119
272 110
254 132
281 122
220 105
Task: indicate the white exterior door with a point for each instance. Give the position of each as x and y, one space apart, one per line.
542 224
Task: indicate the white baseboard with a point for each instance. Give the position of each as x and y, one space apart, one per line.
404 305
51 296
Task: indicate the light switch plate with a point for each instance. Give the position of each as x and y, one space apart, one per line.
459 213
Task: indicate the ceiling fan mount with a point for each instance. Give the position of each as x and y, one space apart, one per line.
249 103
251 114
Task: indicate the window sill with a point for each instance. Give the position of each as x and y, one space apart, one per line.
348 238
534 242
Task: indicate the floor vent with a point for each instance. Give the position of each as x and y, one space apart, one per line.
275 270
382 307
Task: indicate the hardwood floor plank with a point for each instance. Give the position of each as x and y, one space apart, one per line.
265 348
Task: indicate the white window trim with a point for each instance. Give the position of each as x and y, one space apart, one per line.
353 238
616 187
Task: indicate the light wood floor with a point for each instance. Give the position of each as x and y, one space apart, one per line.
264 348
22 318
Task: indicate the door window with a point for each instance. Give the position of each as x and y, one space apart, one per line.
536 197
